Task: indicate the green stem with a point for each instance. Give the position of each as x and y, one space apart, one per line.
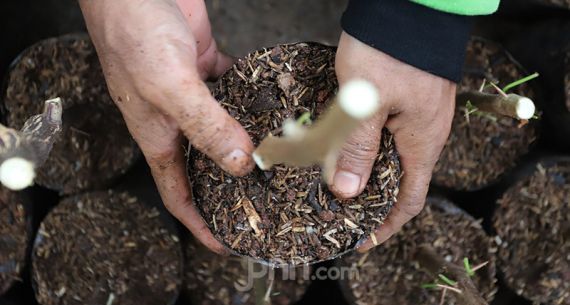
520 82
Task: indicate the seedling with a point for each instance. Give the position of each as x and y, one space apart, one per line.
470 271
450 277
488 104
305 118
21 152
320 143
467 267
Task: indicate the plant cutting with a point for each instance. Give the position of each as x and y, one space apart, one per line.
443 256
284 215
210 279
95 146
490 130
21 152
551 39
532 224
320 144
511 105
105 248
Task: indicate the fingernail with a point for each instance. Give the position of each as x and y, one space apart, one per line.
346 182
238 162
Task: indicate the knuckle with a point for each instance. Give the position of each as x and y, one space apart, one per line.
157 90
361 153
205 137
409 209
161 158
412 209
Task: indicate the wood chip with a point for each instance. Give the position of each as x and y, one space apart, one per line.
252 216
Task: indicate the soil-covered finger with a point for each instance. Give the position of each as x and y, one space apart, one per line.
356 159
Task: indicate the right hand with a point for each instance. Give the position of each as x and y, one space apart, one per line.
156 55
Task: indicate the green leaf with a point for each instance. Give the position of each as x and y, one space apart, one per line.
468 268
305 118
447 280
520 82
429 286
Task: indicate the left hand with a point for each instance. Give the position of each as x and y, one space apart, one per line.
156 55
416 106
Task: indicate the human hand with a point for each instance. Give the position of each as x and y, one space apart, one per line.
156 55
417 107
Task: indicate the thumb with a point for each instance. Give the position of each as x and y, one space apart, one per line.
356 159
223 63
211 130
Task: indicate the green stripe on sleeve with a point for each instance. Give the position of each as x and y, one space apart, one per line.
462 7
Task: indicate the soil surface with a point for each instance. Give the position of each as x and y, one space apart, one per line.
94 146
389 274
15 236
210 279
482 147
105 248
300 220
533 225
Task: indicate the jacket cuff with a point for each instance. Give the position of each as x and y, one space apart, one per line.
428 39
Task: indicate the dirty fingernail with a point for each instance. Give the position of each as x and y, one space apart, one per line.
346 183
237 162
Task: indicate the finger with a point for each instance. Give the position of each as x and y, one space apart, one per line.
356 159
413 190
170 78
161 143
223 63
169 171
212 63
418 156
208 127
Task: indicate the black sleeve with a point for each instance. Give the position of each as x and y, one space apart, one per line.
425 38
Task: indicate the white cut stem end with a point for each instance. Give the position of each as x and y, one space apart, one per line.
359 99
259 161
525 108
17 173
292 129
